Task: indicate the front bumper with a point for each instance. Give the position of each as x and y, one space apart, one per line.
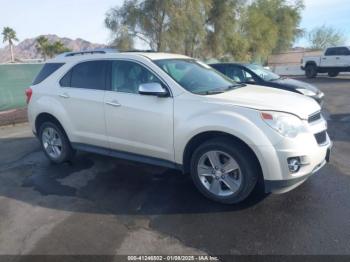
312 147
283 186
315 162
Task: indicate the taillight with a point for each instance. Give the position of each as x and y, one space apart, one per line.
29 93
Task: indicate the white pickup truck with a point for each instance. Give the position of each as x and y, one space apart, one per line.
333 61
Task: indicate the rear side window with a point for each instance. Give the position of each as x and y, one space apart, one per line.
46 71
343 51
87 75
337 51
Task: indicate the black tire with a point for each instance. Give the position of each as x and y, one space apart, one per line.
311 71
333 74
247 162
67 152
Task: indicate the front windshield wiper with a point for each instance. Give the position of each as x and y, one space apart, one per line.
211 92
220 91
280 78
234 87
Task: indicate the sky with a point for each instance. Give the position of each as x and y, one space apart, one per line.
335 13
84 18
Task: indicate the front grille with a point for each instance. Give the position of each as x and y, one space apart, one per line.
321 138
314 117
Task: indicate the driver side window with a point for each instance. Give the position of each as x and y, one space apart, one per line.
239 74
236 74
248 77
128 76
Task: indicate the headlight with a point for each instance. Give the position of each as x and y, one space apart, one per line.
286 124
306 92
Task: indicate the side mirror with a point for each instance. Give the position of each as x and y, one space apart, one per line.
152 89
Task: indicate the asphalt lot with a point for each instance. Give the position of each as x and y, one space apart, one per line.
100 205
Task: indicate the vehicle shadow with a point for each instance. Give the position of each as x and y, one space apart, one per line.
113 186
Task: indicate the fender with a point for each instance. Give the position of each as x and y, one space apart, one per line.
234 124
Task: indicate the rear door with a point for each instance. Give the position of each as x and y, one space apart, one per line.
82 95
343 58
138 124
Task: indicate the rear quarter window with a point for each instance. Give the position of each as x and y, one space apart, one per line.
47 70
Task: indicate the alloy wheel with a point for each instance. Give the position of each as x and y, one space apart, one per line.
52 142
219 173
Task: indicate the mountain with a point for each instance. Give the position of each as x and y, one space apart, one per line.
27 50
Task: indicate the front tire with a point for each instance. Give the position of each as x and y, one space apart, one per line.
333 74
224 171
55 143
311 71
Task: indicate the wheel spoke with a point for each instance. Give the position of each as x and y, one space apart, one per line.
49 149
215 187
213 157
46 137
231 183
230 166
204 170
56 151
50 133
57 142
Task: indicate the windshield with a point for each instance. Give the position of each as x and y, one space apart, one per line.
196 77
265 74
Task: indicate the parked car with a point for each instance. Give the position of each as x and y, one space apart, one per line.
258 75
333 61
174 111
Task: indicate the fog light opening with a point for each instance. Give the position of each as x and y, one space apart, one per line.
294 164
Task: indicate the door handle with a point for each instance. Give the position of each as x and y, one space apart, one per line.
324 58
64 95
337 58
113 103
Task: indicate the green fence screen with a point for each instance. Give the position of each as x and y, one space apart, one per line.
14 79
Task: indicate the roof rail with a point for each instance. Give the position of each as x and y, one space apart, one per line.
139 51
90 52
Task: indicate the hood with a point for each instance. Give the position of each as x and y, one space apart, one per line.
265 98
295 84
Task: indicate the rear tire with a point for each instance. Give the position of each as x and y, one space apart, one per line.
311 71
333 74
230 177
55 143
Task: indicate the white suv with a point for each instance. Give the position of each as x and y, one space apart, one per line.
174 111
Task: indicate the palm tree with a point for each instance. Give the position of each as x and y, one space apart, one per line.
49 50
9 35
41 45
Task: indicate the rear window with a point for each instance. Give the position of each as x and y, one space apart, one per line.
46 71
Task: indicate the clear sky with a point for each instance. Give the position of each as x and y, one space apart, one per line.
84 18
335 13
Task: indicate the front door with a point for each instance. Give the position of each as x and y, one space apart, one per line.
138 124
